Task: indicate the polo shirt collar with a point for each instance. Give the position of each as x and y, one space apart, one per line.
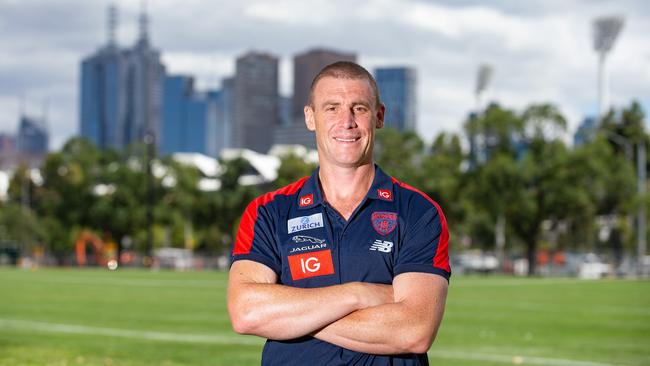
382 186
311 196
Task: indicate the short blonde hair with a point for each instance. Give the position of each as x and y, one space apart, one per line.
345 70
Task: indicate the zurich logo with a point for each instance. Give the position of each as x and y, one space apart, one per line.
304 223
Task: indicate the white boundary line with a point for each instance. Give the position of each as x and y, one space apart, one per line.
27 325
137 282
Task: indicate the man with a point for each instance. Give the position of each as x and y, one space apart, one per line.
348 266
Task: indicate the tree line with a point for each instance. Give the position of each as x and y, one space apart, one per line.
509 184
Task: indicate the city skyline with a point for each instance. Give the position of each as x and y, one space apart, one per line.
541 51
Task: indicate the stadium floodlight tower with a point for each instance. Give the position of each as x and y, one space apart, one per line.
482 81
606 29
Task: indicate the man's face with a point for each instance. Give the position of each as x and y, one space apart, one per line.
344 116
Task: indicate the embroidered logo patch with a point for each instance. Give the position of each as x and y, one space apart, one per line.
305 223
306 200
384 222
385 194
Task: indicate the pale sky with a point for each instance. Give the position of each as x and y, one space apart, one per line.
541 51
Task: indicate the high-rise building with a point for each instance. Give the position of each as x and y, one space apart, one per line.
305 67
177 92
256 101
33 137
190 120
397 87
585 131
214 125
225 115
7 144
28 147
121 90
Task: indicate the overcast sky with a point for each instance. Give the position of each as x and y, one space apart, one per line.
541 51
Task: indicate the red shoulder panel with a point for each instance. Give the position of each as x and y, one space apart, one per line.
441 258
245 232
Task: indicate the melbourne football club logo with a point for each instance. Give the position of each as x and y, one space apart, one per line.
384 222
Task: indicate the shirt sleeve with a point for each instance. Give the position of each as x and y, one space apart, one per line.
255 238
425 245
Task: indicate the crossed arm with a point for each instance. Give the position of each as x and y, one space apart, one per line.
364 317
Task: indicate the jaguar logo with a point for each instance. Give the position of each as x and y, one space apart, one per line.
307 239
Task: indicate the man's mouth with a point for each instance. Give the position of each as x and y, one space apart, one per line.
348 139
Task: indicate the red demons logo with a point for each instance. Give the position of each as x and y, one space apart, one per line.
311 264
306 200
385 194
384 222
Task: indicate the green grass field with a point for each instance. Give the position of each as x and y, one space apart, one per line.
129 317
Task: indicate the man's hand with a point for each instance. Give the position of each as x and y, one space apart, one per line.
407 325
259 306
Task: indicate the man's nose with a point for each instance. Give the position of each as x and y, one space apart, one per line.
349 120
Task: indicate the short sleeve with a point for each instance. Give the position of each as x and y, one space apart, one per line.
255 238
425 245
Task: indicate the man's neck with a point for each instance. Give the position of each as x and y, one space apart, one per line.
345 188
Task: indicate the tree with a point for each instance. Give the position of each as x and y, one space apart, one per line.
399 154
218 212
497 140
440 175
292 168
20 225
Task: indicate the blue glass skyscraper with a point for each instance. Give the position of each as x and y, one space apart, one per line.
121 91
190 120
397 87
32 136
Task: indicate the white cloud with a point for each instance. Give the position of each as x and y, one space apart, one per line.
208 68
540 50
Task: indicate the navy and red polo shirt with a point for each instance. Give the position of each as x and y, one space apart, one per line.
293 231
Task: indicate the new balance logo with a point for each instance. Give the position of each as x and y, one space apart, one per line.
382 246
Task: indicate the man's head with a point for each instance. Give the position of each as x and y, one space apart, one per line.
345 70
344 110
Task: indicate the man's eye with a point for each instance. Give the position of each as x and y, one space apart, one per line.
360 109
330 108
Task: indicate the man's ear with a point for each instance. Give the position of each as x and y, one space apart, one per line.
310 121
380 115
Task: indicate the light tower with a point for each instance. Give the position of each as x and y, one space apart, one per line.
606 29
478 144
482 81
